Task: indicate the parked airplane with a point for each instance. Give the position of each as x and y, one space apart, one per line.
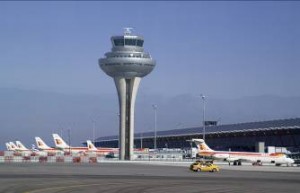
62 145
13 146
102 150
20 148
238 157
41 145
111 151
8 147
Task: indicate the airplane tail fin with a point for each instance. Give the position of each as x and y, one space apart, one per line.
20 146
13 146
59 142
8 147
90 145
41 144
202 146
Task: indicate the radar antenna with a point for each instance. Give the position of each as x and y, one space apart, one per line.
127 30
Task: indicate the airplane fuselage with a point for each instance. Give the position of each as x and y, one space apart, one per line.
75 149
277 158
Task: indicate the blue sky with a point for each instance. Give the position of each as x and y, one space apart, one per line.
226 50
223 49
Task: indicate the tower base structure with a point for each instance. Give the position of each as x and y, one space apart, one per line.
127 91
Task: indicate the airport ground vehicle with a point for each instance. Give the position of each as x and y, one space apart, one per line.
204 167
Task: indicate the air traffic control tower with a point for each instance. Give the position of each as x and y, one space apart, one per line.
127 63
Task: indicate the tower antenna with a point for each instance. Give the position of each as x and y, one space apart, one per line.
128 30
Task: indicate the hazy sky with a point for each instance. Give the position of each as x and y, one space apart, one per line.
222 49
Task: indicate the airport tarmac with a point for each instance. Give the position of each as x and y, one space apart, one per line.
134 177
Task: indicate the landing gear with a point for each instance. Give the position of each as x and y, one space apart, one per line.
257 164
236 163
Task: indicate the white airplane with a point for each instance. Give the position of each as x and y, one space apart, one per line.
62 145
102 150
42 146
13 146
238 157
19 147
8 147
110 151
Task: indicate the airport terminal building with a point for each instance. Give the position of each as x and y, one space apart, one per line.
234 137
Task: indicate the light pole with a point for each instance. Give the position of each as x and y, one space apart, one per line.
155 123
94 126
203 98
141 140
61 132
69 136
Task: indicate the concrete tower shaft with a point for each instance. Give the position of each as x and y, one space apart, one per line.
127 63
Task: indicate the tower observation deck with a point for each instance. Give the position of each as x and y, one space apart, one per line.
127 63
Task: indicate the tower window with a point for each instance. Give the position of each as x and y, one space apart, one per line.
130 42
140 43
119 42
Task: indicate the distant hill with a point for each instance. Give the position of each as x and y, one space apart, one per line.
25 114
